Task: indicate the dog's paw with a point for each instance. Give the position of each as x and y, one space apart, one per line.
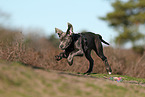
70 60
110 73
88 72
70 63
58 58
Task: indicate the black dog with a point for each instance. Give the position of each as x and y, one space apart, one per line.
79 45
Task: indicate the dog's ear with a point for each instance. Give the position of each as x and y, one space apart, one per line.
58 31
70 29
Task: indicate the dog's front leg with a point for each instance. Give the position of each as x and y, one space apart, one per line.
61 55
72 54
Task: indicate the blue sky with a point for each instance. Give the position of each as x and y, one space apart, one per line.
48 14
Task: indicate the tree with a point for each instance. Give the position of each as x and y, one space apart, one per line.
126 18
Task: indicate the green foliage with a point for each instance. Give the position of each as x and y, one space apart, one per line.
126 19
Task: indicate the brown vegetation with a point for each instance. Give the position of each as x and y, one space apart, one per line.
40 52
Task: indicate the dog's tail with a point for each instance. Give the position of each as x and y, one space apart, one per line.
100 37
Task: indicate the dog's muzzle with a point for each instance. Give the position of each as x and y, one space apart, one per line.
64 46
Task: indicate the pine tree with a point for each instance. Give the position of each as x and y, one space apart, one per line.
126 18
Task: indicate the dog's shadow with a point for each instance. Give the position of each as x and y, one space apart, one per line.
86 73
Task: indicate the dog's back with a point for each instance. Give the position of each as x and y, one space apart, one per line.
92 38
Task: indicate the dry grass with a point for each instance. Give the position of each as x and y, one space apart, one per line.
39 52
17 80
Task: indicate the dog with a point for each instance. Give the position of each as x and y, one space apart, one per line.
81 44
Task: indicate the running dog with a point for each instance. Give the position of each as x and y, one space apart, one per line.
81 44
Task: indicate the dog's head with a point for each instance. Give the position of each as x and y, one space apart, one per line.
65 37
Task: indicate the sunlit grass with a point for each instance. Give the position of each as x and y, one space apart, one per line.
17 80
124 77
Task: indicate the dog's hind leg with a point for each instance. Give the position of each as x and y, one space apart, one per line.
99 52
91 61
108 68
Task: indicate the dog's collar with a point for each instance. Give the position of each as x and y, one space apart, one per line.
75 37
